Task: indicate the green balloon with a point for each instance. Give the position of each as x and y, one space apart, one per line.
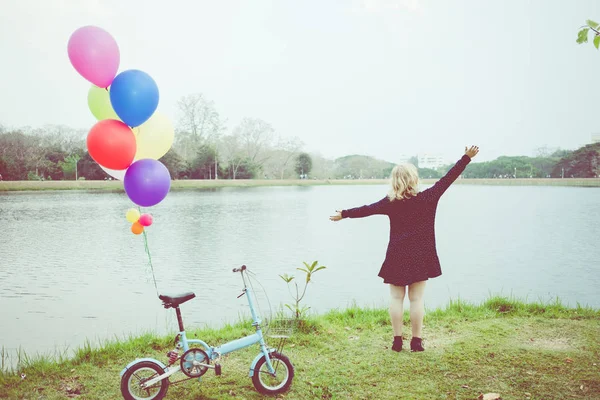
99 104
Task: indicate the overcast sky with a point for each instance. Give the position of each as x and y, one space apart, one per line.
375 77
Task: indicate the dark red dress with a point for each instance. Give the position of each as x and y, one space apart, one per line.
411 254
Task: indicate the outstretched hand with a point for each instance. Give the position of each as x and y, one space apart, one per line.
337 216
471 151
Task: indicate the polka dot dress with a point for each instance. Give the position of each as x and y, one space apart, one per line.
411 254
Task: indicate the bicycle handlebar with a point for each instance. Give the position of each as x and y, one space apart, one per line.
242 269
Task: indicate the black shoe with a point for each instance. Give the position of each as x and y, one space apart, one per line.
416 344
397 345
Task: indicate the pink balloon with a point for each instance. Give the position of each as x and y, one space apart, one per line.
145 220
95 55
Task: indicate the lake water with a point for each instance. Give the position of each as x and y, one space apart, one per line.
70 268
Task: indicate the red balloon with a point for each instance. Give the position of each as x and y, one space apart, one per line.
111 144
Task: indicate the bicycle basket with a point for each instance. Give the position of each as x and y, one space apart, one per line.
281 328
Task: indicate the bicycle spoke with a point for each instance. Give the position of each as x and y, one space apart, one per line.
139 379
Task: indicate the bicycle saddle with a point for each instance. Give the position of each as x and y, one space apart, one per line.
176 300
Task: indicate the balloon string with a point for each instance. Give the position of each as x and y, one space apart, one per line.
149 258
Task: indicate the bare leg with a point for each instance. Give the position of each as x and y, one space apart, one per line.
397 294
417 307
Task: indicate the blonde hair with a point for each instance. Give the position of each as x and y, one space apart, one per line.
404 182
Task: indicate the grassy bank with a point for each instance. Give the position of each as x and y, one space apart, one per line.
521 351
581 182
211 184
177 184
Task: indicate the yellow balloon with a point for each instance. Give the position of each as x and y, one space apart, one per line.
132 215
99 104
154 137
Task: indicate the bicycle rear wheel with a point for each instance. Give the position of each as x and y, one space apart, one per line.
139 373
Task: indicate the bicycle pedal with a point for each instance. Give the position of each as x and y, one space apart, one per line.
217 369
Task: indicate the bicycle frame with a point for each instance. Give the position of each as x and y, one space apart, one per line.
234 345
215 352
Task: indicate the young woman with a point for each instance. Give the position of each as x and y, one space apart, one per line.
411 256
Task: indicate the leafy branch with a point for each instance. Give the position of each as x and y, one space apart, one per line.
583 34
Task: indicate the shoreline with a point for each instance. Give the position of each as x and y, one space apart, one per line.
194 184
466 345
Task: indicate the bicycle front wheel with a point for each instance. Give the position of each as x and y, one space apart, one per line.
268 383
139 373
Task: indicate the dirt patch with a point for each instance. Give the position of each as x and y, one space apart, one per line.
552 335
557 343
436 340
71 387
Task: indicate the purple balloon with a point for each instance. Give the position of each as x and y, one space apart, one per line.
147 182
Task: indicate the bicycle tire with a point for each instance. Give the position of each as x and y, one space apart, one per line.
257 378
125 381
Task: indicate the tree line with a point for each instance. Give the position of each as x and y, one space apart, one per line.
558 163
547 163
205 148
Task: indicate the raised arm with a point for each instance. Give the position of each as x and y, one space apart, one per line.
379 207
438 189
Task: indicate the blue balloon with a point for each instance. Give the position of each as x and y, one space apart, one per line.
134 96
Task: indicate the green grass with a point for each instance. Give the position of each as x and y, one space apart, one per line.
9 186
519 350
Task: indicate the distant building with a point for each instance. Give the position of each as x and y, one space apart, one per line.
595 137
431 161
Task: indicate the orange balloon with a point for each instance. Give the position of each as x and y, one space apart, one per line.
137 228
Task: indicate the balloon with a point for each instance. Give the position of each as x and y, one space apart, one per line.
145 220
120 173
154 137
111 144
132 215
134 96
95 55
99 104
115 173
147 182
137 228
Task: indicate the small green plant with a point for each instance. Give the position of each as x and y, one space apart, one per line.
582 35
32 176
309 270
